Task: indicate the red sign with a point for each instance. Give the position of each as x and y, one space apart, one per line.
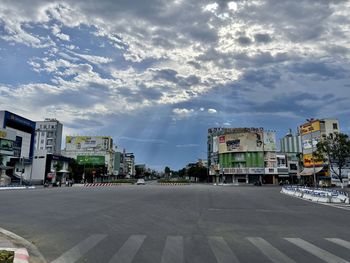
222 139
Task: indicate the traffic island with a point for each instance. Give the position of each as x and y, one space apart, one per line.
317 195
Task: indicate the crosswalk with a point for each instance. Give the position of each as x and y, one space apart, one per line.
222 249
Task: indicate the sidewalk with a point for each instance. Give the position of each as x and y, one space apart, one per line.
25 252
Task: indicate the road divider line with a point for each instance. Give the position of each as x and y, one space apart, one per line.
75 253
270 251
173 250
339 242
222 251
128 251
316 251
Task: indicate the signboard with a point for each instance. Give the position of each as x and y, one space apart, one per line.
7 134
90 160
241 142
235 170
269 141
256 170
310 127
308 161
306 141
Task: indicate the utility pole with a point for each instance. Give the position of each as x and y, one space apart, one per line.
312 151
21 180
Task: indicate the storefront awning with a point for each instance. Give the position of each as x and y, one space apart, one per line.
310 171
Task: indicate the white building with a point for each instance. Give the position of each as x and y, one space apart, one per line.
48 136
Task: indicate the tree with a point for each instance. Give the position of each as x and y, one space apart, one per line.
167 171
335 149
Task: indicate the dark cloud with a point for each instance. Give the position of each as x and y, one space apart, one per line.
262 38
244 41
318 69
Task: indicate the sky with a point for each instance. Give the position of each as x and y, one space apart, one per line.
156 74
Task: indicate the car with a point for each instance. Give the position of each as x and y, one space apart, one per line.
140 182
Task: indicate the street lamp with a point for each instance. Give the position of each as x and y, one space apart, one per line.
312 151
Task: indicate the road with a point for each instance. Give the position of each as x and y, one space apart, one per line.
168 224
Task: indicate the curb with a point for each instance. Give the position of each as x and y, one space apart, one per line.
16 187
105 184
24 248
173 183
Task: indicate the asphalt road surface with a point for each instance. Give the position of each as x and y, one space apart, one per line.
168 224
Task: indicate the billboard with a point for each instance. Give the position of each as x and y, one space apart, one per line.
87 142
306 141
310 127
270 141
241 142
91 160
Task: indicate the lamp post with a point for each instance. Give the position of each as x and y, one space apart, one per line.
312 151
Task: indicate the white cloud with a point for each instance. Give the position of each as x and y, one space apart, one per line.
212 111
183 112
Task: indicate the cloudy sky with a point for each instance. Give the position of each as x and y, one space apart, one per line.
156 74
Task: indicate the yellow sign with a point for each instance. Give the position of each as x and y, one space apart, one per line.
310 127
3 134
308 161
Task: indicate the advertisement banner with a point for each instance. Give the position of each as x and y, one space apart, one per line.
7 134
241 142
215 144
6 145
91 160
310 127
269 141
235 170
256 170
308 161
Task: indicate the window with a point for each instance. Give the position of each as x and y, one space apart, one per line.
335 126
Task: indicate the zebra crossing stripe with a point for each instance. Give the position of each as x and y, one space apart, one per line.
222 251
270 251
173 250
316 251
128 251
79 250
339 242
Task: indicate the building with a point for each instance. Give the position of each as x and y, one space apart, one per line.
94 153
17 146
291 148
129 165
244 155
311 133
48 136
50 168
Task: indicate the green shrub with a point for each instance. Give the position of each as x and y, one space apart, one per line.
7 256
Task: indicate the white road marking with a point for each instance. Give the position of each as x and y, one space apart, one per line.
270 251
222 251
316 251
339 242
128 251
173 250
76 252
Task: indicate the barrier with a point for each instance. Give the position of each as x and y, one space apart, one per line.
317 195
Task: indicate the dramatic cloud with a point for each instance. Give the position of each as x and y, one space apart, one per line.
171 69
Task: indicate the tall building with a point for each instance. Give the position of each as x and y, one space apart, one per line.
129 165
244 155
311 133
48 136
17 144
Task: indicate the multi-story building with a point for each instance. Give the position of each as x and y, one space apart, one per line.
242 155
48 136
129 165
17 145
311 133
95 153
291 148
